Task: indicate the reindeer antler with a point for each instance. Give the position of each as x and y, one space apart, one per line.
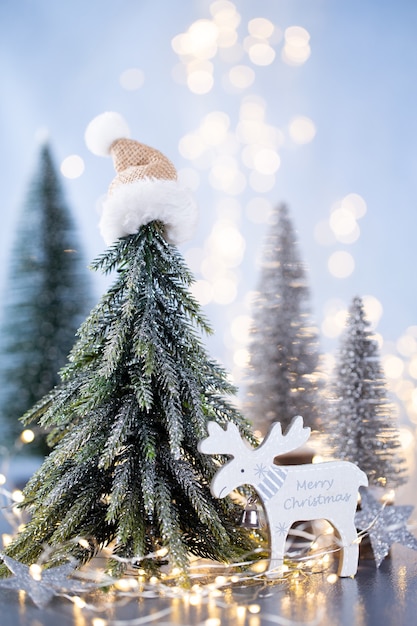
297 431
222 441
276 443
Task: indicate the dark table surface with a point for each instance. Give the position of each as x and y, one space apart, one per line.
383 597
386 596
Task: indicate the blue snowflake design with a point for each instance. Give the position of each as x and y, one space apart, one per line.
281 529
261 470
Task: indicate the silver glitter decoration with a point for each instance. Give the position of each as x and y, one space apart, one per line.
41 591
385 525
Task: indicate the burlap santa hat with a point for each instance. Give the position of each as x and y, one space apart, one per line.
145 187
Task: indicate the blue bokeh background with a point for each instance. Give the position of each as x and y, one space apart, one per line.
60 65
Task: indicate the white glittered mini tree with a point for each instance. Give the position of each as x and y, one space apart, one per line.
136 394
283 378
362 427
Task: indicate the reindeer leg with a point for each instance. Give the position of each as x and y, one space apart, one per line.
276 561
349 554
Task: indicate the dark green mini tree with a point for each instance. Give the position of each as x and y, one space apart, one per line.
362 428
46 298
283 378
133 404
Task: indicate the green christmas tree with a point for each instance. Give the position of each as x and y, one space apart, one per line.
363 428
283 378
135 396
46 298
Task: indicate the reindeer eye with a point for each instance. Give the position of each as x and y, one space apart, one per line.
242 470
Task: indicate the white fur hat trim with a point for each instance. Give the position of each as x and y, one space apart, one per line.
132 205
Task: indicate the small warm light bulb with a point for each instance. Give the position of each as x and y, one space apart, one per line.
221 580
241 611
317 458
7 539
125 584
27 436
258 567
388 497
195 599
162 552
79 602
84 543
35 571
332 578
212 621
17 495
2 479
98 621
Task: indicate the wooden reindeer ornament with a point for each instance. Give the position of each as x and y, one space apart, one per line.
289 493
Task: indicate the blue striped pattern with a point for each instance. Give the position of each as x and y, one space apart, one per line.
272 482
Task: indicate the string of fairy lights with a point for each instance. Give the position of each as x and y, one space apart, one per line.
91 593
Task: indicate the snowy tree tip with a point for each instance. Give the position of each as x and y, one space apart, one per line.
104 130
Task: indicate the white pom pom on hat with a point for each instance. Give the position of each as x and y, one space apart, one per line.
103 131
145 187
